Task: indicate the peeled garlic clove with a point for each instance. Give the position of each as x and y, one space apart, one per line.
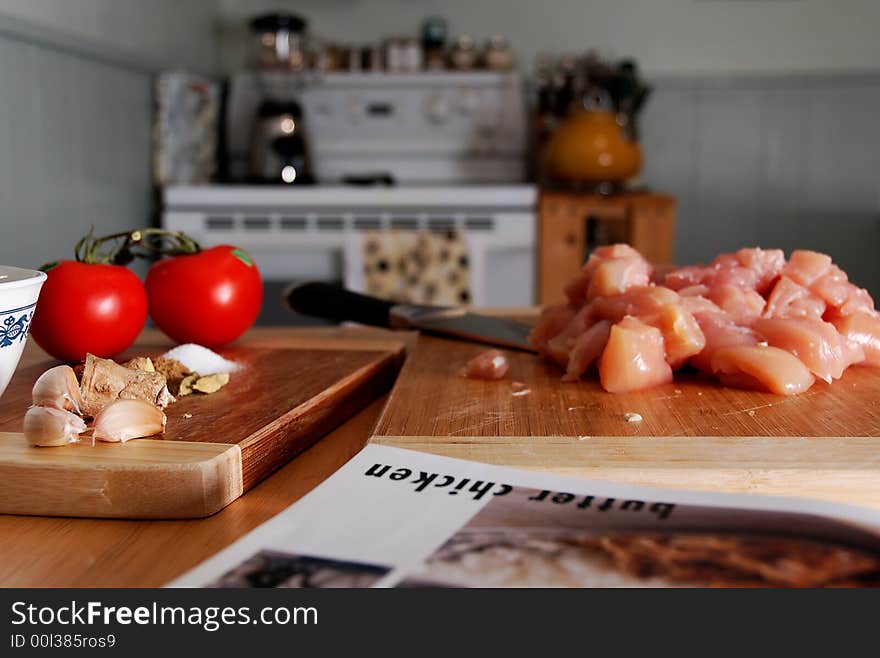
59 389
45 426
128 419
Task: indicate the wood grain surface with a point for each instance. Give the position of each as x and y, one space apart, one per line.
147 479
280 403
693 433
42 551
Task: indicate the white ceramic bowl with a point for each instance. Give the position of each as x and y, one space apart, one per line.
19 290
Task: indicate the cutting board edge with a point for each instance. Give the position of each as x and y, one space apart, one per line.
655 451
845 472
114 488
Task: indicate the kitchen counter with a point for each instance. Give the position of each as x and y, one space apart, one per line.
65 552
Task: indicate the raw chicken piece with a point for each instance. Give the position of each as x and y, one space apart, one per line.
688 276
634 358
659 272
638 301
764 368
805 267
610 270
863 330
816 343
559 347
576 290
733 275
617 251
699 304
766 263
841 297
720 331
658 307
833 287
742 304
698 290
750 269
491 364
699 311
587 349
791 300
615 277
682 336
553 320
857 301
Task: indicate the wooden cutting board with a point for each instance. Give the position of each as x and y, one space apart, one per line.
693 433
215 447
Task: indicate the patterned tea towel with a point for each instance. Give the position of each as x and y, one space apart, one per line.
417 267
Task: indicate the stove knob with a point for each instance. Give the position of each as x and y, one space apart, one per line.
356 109
469 102
437 108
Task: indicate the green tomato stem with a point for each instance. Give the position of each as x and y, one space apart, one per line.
123 248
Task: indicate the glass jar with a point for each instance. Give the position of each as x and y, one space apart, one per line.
279 42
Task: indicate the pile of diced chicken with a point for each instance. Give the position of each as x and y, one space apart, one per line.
751 319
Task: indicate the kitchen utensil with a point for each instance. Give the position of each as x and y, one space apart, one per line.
278 145
215 447
19 290
339 305
692 434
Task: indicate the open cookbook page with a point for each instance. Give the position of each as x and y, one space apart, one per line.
398 518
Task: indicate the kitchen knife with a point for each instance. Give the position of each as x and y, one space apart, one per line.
339 305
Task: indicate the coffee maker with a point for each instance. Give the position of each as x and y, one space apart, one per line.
279 151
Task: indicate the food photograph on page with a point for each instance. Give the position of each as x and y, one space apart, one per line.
281 570
245 243
517 541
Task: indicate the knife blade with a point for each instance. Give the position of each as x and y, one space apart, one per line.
337 304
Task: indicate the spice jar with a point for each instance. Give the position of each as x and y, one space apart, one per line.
434 43
463 56
497 56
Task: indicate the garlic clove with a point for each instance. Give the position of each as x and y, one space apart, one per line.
46 426
58 388
123 420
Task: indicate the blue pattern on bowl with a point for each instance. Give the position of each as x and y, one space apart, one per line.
14 324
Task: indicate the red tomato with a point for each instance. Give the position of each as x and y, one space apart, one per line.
88 308
210 298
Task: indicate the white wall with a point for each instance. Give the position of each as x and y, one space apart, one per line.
666 36
76 92
169 33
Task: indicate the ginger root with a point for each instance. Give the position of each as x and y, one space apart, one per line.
104 381
174 372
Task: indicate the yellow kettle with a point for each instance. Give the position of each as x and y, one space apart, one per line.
591 146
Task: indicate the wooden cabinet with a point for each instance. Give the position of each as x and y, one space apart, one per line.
571 224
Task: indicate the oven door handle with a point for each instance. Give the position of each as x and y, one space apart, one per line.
324 300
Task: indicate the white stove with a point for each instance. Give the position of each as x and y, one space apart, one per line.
316 233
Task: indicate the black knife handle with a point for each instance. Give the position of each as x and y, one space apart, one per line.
330 302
